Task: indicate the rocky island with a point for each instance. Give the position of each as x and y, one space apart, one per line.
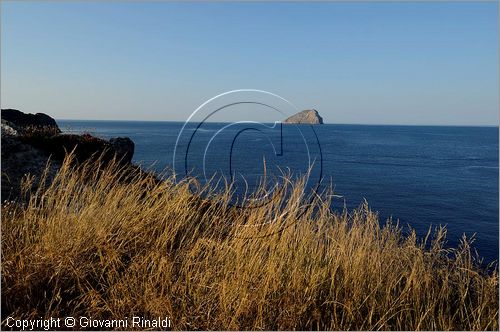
305 117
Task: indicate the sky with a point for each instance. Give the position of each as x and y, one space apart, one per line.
365 63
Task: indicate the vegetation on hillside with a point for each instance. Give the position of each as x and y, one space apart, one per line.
95 243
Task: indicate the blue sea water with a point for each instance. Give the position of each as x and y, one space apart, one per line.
421 175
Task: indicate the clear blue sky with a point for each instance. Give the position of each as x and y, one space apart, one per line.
373 63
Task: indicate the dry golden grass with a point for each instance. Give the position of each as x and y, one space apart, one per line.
91 244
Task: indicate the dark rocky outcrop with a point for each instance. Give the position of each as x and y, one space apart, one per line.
87 146
25 121
30 141
20 159
305 117
124 148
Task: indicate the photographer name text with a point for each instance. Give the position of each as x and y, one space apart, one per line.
87 322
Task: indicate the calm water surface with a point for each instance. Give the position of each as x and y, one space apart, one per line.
420 175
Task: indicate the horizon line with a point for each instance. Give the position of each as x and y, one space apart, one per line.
326 123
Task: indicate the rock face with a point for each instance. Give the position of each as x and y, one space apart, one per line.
7 129
124 148
22 121
305 117
30 141
19 159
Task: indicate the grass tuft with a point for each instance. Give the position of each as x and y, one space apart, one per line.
96 244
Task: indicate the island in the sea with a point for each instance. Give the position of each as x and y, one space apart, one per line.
305 117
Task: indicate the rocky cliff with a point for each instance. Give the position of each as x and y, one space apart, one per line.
305 117
29 141
23 121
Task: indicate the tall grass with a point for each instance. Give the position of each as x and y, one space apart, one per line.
98 243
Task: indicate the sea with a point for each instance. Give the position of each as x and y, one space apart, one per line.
421 176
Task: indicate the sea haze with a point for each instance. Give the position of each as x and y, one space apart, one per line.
421 175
